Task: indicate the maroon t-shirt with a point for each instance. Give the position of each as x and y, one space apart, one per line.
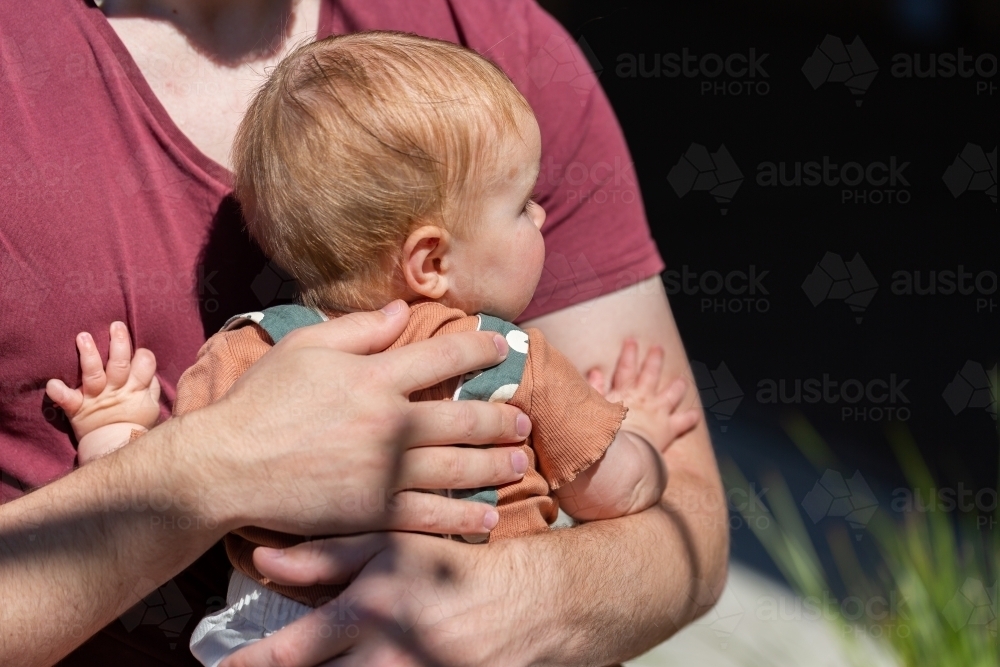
108 212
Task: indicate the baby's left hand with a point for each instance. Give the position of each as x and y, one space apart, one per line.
127 391
654 405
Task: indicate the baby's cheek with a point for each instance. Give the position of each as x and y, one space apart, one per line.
536 255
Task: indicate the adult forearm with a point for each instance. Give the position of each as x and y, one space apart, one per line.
624 585
80 551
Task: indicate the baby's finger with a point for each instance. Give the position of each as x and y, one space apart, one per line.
596 380
143 367
70 400
154 390
674 393
627 366
119 355
649 377
91 367
682 422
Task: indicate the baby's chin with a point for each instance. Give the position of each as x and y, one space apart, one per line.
508 312
507 308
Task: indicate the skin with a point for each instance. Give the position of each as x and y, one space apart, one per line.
609 589
112 402
493 267
78 552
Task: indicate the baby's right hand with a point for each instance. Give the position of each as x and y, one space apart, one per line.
653 410
126 392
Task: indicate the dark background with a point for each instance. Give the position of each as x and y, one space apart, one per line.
787 230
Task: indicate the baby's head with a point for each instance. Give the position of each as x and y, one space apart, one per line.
376 166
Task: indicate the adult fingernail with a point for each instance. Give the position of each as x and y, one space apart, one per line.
520 461
490 519
523 425
501 344
393 308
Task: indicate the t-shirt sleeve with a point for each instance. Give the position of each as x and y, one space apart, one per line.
572 424
221 361
596 234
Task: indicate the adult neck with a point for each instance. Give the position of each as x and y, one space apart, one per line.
227 31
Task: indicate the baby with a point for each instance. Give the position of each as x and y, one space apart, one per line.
380 166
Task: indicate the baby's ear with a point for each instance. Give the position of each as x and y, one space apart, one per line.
425 265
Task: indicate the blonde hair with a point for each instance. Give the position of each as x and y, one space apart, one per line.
353 140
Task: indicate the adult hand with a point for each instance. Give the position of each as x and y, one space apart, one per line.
317 439
414 600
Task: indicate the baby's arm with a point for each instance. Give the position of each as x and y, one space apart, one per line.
631 475
114 401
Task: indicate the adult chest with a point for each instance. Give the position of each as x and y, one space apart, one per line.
205 96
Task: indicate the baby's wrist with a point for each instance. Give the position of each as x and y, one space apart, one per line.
650 488
106 439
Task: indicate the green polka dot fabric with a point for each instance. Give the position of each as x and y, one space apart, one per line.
496 385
